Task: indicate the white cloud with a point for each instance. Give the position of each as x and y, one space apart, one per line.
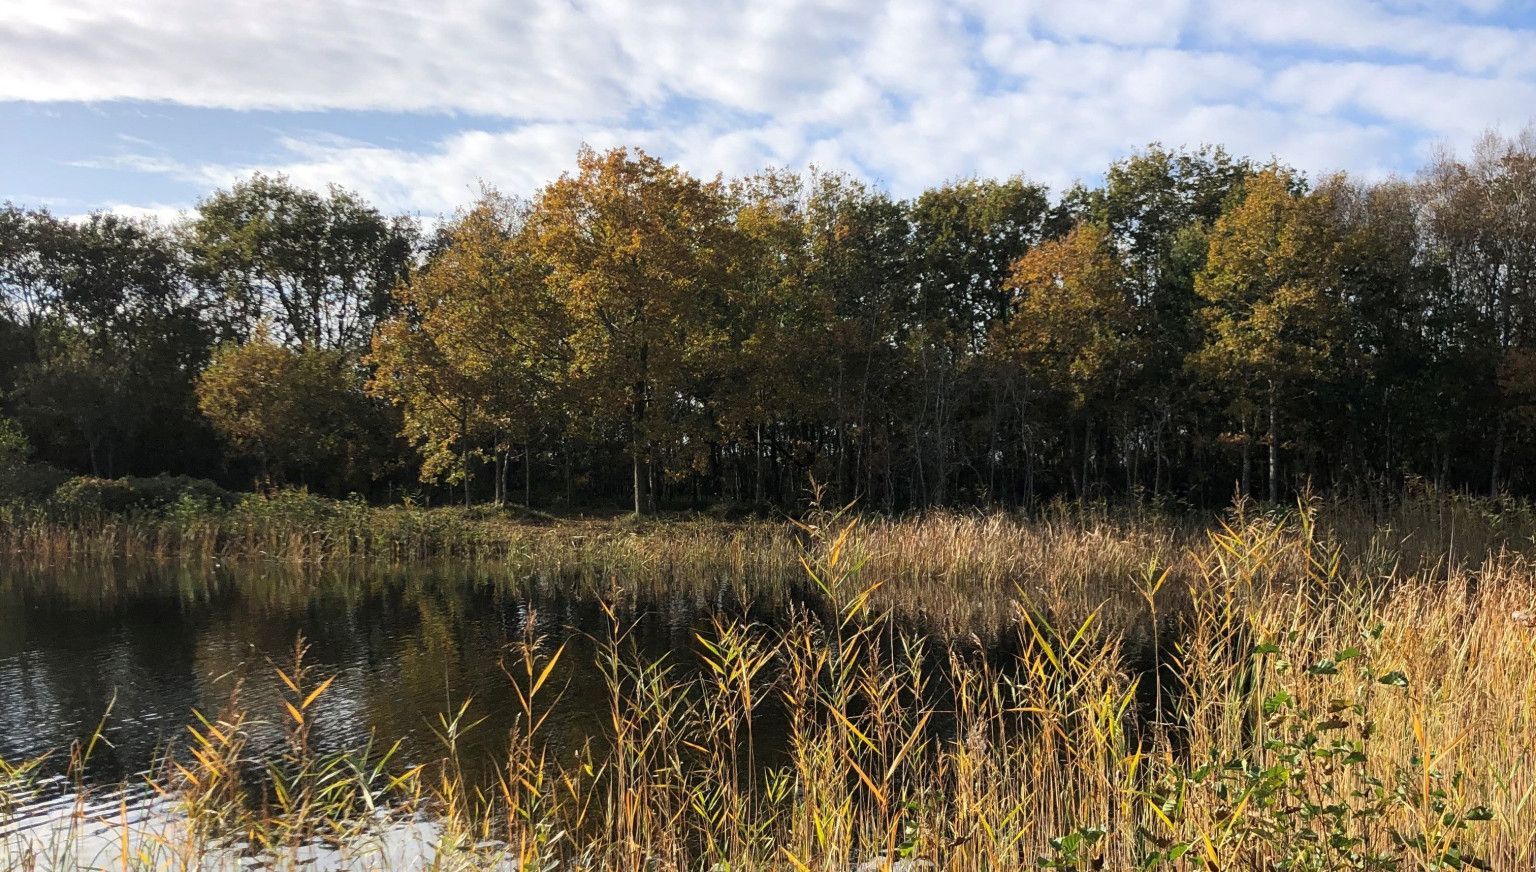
1453 106
908 92
447 175
1359 26
160 212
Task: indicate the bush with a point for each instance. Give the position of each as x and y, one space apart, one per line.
29 482
287 508
85 494
14 446
163 491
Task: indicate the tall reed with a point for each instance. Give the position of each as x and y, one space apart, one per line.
1275 692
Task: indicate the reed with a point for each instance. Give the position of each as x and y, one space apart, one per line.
1310 689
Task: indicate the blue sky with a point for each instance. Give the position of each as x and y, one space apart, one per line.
143 106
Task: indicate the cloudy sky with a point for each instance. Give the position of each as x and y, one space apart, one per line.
148 104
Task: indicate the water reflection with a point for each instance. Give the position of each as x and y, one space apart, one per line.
154 641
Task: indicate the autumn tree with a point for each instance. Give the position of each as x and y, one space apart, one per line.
980 341
1072 328
293 411
1157 206
637 253
1267 305
475 352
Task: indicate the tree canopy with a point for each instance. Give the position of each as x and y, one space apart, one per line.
633 333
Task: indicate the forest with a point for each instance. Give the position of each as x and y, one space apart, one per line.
1191 325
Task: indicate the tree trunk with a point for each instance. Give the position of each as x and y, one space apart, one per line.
640 472
464 447
565 468
1274 449
527 475
757 494
1498 456
642 480
503 459
1082 490
1247 464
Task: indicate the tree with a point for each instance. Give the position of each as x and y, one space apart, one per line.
28 283
638 253
1267 311
1481 222
293 411
475 352
774 373
110 336
1157 206
316 268
14 447
965 238
76 397
861 253
1072 327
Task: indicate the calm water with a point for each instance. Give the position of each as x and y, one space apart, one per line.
145 645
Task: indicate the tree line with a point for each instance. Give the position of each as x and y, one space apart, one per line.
1193 324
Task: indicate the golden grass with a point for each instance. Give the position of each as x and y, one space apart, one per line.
1325 692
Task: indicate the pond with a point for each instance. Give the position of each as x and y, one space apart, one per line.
137 648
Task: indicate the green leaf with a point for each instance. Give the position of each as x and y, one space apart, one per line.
1479 813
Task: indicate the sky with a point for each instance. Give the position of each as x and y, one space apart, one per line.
144 106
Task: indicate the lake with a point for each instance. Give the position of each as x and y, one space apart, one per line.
138 647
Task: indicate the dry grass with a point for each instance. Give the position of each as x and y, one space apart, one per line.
1326 692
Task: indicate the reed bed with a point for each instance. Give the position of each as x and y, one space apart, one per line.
1311 690
955 573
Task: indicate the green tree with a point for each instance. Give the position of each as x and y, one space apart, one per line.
114 335
965 238
317 268
14 447
860 242
1480 218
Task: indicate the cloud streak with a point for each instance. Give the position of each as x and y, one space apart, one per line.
907 92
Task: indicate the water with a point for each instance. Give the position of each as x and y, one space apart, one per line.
145 645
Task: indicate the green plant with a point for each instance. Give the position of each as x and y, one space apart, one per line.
14 446
1314 794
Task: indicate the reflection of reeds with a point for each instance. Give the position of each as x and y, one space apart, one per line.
1314 701
950 573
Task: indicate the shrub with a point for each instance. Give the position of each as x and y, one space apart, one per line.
29 482
287 508
14 446
164 491
86 494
